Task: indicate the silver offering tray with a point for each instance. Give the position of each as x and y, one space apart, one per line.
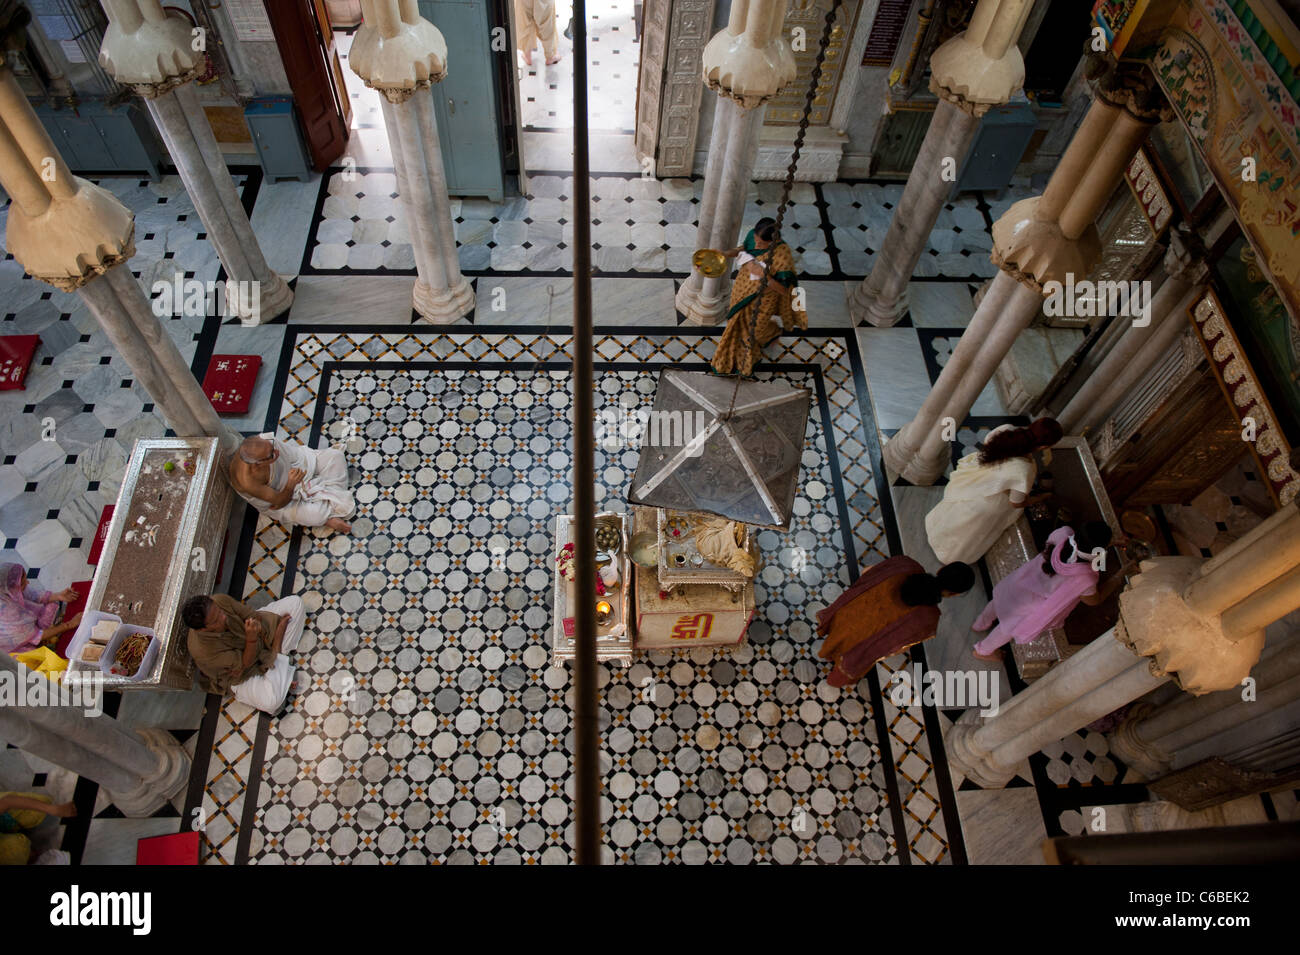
614 637
681 563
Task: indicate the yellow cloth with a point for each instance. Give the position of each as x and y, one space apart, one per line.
43 660
16 848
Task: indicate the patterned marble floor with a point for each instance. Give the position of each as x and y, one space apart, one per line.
449 493
435 728
52 491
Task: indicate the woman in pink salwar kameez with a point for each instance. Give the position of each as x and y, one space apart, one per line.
1033 599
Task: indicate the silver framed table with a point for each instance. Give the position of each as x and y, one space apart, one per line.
163 547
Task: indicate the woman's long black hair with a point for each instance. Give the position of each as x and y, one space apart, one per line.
1020 442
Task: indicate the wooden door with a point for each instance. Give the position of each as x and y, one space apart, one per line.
501 14
1190 441
650 78
314 79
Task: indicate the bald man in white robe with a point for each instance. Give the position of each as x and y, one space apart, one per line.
293 484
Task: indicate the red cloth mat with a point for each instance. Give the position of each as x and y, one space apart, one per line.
181 848
82 587
16 353
101 534
229 380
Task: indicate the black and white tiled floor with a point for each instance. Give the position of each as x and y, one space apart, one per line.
377 761
640 226
435 728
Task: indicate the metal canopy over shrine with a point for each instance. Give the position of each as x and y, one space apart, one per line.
724 447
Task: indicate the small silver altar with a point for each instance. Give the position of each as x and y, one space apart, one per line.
164 546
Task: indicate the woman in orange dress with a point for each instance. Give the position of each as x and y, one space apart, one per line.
742 343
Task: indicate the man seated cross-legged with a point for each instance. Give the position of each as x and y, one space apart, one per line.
292 483
238 648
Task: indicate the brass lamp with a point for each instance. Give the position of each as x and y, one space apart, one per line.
709 262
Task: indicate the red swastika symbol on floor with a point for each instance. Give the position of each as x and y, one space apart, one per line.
694 627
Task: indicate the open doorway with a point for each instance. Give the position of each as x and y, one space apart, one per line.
546 91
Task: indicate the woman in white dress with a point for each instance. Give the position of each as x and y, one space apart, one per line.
987 491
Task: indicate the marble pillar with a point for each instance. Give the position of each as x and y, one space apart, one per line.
1151 737
1038 241
141 770
1093 682
77 237
152 53
745 65
1131 357
401 55
971 73
704 299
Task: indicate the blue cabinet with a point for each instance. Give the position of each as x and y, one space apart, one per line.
278 138
464 104
1003 136
96 137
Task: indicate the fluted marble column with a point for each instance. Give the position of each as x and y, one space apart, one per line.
1150 738
1097 680
1138 348
151 52
1038 240
141 770
971 73
1197 622
77 237
745 65
401 55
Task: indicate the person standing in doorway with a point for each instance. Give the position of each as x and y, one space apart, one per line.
535 20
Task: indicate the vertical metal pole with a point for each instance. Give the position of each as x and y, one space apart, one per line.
586 766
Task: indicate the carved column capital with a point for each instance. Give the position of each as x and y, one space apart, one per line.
749 62
147 49
1133 87
982 67
1185 258
1191 647
412 58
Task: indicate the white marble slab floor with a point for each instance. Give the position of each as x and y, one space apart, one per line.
896 374
338 299
1002 826
281 220
940 304
525 300
827 302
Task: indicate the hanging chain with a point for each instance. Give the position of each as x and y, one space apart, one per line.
751 328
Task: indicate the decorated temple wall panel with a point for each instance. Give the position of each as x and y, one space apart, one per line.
1245 398
1224 83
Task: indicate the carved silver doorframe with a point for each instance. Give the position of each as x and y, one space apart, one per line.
670 88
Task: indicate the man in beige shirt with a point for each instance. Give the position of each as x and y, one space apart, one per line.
238 648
